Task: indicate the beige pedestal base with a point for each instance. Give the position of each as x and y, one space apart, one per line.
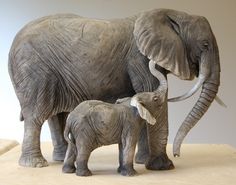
198 165
6 145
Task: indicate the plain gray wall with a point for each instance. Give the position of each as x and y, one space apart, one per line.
217 126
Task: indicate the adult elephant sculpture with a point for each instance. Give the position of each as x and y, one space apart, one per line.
58 61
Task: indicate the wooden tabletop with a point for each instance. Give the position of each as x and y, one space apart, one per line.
6 145
198 165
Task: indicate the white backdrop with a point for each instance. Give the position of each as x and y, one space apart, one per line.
217 126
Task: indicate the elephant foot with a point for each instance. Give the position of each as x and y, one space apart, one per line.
33 161
141 158
162 162
68 169
126 171
59 153
83 172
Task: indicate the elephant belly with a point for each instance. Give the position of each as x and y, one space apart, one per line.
110 92
106 124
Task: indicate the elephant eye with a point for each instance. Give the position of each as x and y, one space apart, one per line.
155 98
205 45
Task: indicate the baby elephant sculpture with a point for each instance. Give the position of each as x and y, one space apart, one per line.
95 123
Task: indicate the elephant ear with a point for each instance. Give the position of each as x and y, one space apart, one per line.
157 37
143 112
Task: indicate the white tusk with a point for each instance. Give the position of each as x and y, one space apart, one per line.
218 100
195 88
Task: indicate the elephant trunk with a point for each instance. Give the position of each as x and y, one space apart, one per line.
207 95
163 86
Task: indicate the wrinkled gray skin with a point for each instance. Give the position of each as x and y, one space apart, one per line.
58 61
95 123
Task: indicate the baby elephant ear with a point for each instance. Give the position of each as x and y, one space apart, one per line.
143 112
157 36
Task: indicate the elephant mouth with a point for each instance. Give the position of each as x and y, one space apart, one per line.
195 69
202 73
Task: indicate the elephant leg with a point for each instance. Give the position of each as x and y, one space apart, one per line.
82 162
126 167
143 149
157 138
31 154
69 166
57 124
120 158
126 151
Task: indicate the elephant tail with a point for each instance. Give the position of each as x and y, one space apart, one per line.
69 137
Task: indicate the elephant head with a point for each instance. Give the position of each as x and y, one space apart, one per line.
185 46
148 104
